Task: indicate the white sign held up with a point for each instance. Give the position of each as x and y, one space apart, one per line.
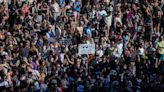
86 49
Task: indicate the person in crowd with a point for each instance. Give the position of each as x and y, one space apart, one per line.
39 45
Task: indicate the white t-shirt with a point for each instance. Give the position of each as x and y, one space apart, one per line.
118 51
108 20
35 74
119 47
62 57
100 53
141 51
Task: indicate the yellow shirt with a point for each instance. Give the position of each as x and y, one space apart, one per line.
160 47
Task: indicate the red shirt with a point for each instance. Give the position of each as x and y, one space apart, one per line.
25 10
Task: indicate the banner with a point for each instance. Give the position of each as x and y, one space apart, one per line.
65 41
86 49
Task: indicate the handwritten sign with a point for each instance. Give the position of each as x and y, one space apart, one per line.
65 41
86 49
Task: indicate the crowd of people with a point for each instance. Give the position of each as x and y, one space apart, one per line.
39 42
